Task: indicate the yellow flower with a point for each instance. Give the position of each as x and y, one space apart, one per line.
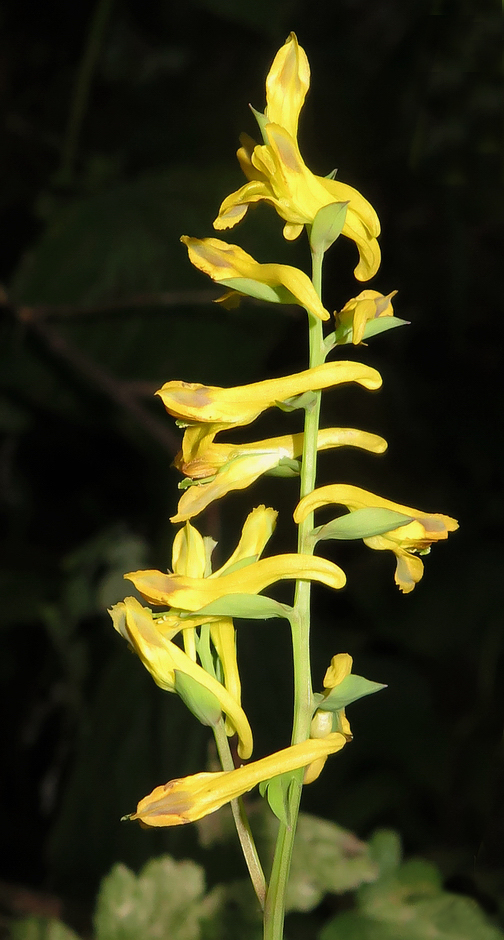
416 536
322 722
368 305
278 175
163 658
196 593
190 798
221 408
232 267
236 466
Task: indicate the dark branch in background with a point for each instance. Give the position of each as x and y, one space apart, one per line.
181 298
119 392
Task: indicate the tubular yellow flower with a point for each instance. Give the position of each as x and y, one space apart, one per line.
195 593
163 658
416 536
322 722
231 407
236 466
368 305
232 267
278 175
190 798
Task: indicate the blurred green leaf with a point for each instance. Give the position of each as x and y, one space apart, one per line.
39 928
162 901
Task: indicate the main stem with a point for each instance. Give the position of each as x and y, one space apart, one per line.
274 914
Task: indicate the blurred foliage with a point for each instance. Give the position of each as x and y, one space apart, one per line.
101 307
394 900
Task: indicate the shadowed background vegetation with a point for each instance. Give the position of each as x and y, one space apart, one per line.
120 124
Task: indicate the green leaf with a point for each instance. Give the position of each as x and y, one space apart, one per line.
297 401
285 468
277 791
326 859
262 120
164 900
349 690
200 701
248 606
40 928
362 524
344 334
385 848
327 226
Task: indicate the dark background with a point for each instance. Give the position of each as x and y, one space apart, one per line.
120 122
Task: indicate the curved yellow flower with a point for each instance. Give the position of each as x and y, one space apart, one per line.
231 266
187 799
368 305
322 722
163 658
278 175
195 593
236 466
416 536
232 407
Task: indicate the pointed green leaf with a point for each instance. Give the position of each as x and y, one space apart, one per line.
262 120
344 333
327 226
257 289
348 691
248 606
277 791
362 524
200 701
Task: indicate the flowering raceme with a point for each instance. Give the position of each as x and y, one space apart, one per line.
278 175
416 536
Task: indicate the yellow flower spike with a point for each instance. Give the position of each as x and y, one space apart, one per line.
162 658
195 593
286 85
278 175
232 407
322 722
190 798
368 305
236 466
416 536
229 263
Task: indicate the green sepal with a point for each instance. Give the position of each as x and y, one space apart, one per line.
286 468
187 482
248 606
327 226
259 290
262 120
349 690
343 335
204 705
277 791
361 524
305 400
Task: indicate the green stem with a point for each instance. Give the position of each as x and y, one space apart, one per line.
303 694
82 88
241 822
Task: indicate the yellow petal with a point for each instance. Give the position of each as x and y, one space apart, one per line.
162 657
286 85
190 798
256 533
240 473
230 407
223 636
188 553
193 593
340 668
